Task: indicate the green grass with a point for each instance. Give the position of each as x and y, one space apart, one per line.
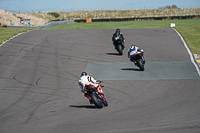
189 28
191 35
128 24
7 33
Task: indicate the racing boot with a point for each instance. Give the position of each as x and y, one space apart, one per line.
144 62
90 100
104 100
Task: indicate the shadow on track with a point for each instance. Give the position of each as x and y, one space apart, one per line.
84 106
113 54
130 69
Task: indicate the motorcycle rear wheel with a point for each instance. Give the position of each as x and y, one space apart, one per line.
96 100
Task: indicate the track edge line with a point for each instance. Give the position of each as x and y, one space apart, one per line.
189 52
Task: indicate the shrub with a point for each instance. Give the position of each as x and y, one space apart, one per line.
55 14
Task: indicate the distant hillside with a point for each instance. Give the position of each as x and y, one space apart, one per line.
41 18
9 18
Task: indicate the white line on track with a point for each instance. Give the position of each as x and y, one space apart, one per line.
189 52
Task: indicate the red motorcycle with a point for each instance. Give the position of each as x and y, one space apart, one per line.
96 95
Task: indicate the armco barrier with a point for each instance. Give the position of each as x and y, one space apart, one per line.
106 20
44 26
142 18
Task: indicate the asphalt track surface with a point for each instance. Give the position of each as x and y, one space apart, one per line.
39 93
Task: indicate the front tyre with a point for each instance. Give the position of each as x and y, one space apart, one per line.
119 49
140 64
96 100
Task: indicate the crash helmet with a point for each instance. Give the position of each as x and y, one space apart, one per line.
118 30
84 74
133 46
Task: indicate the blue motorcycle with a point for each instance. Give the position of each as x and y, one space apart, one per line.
139 61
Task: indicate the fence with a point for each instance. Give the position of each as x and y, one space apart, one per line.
105 20
44 26
140 18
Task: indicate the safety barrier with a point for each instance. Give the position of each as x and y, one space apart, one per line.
105 20
89 20
44 26
140 18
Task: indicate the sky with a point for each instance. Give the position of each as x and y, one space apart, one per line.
88 5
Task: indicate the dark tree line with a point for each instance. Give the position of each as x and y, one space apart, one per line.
169 7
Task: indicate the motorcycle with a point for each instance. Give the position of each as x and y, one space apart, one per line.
139 61
96 96
119 46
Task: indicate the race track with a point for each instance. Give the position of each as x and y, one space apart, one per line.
40 69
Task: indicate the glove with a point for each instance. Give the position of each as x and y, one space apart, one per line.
98 81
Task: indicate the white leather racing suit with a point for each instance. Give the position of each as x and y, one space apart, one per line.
87 80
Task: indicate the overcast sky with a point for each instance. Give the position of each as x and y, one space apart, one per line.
76 5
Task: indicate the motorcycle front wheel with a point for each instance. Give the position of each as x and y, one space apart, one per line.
96 100
119 49
105 103
140 64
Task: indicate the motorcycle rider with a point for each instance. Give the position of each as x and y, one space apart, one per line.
120 36
86 82
132 51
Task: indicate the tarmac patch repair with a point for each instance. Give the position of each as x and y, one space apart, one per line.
153 70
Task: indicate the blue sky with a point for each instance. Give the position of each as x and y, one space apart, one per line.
68 5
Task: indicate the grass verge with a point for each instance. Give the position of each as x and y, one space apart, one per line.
128 24
8 33
189 28
191 35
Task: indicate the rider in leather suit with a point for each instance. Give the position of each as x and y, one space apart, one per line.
87 81
132 51
121 37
